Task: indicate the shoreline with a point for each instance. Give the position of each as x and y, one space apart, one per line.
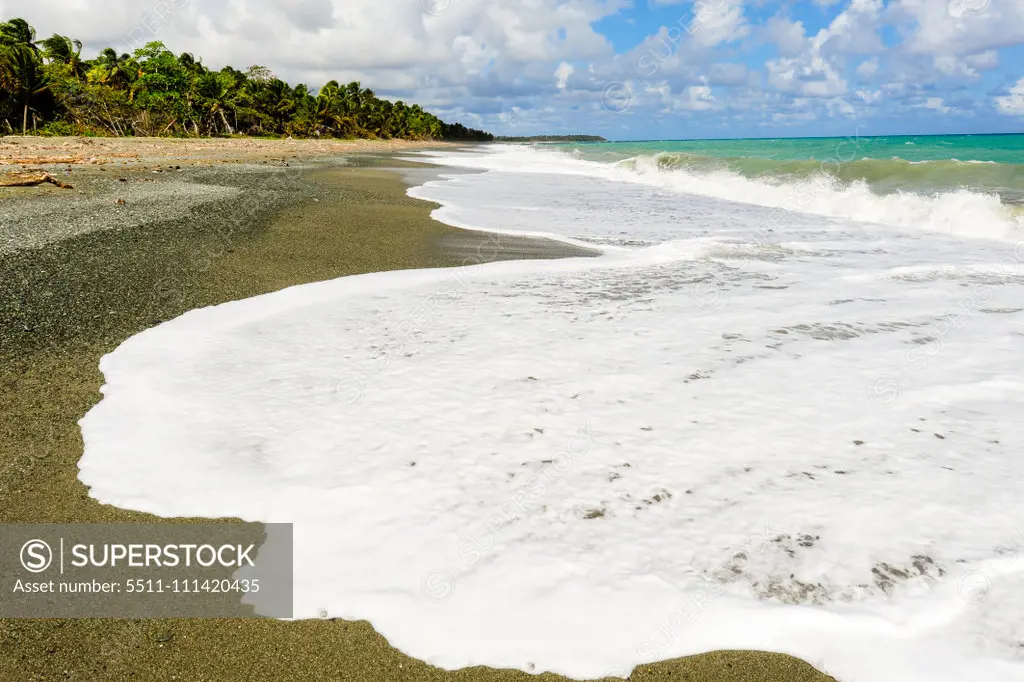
66 302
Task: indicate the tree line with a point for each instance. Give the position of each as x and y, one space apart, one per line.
551 138
47 87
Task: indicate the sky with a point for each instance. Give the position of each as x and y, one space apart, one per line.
624 69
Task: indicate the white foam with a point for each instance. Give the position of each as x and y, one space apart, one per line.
962 213
744 427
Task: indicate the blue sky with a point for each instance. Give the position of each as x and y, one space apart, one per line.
811 68
625 69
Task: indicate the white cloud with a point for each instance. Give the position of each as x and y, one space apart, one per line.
854 30
474 55
960 26
1013 103
936 104
985 61
809 76
562 73
950 65
511 62
390 45
787 35
869 97
728 74
695 98
868 68
817 70
840 106
719 22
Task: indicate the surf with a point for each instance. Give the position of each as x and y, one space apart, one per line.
847 191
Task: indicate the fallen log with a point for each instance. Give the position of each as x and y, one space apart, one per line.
45 160
30 179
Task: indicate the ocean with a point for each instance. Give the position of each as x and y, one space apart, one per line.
902 163
780 411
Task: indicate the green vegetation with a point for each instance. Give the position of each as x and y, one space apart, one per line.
553 138
47 87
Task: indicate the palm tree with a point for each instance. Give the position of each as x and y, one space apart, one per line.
21 74
63 50
234 83
352 101
18 32
278 100
111 69
215 93
155 90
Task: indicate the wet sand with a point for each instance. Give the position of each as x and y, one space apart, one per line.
67 301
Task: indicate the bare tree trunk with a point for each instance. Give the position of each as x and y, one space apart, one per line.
110 119
227 126
24 121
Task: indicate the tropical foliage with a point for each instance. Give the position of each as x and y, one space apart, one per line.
552 138
46 85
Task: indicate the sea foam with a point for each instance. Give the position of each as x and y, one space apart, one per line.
960 212
742 427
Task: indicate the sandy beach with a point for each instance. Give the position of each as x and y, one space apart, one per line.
150 230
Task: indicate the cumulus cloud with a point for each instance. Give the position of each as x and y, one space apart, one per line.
396 44
936 104
868 68
1012 104
960 26
695 98
537 64
787 35
869 97
816 70
984 61
562 74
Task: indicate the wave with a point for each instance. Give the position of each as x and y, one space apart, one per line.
890 192
851 192
885 176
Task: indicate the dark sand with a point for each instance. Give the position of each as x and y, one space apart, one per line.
65 305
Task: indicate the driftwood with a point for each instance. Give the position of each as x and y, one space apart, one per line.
30 179
41 160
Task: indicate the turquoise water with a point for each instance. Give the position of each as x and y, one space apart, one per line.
1008 149
990 164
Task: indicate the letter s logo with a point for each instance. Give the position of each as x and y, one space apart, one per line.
36 556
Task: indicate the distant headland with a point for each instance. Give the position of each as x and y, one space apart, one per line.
552 138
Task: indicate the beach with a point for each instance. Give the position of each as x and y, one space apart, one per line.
203 223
